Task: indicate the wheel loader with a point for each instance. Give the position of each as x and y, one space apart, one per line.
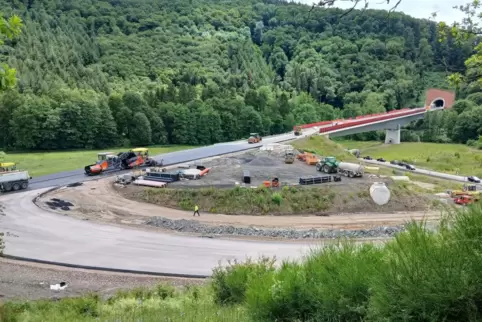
254 138
289 156
298 131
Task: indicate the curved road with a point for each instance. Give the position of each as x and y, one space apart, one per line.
39 234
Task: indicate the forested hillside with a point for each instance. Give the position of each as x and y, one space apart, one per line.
98 73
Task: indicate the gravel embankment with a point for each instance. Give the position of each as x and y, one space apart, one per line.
192 226
23 280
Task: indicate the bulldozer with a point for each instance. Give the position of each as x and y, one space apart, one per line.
254 138
108 161
273 183
289 156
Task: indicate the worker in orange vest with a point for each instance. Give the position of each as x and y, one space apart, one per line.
196 211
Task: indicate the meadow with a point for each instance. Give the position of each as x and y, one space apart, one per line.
44 163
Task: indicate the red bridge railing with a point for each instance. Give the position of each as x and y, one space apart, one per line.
364 119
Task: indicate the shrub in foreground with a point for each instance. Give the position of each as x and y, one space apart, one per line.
230 282
331 285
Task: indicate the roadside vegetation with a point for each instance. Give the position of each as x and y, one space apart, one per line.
416 276
323 146
287 200
43 163
448 158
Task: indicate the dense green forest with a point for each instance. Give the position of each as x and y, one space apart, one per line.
99 73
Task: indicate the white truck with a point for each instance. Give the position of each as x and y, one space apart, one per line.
14 180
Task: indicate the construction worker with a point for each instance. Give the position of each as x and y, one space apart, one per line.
196 210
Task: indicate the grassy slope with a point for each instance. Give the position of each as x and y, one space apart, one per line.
42 163
449 158
324 147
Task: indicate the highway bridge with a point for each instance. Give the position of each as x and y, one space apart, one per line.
39 235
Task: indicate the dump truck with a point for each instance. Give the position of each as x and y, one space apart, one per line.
108 161
331 165
12 179
254 138
298 131
289 156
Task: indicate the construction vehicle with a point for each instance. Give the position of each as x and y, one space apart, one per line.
457 193
289 156
466 199
303 155
11 178
331 165
311 159
254 138
298 131
273 183
108 161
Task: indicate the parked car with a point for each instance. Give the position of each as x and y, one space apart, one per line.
473 179
409 167
381 160
367 157
394 162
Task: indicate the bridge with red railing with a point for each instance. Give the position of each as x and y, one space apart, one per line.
390 121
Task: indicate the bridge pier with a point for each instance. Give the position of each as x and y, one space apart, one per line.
392 136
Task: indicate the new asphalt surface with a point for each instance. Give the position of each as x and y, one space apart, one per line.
67 177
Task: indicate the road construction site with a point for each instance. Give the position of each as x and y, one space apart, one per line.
353 213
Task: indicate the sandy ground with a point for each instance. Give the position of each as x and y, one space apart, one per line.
99 201
22 280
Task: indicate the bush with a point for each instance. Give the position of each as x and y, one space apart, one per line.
332 285
230 282
277 198
429 276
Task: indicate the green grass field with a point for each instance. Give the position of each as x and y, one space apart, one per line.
448 158
42 163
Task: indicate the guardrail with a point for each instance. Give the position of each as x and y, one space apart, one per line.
371 120
350 121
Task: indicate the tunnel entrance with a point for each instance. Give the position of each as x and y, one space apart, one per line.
438 103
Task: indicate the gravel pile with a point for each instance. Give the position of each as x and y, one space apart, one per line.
263 161
192 226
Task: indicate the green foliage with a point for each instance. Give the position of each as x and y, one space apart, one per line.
260 201
201 72
140 304
448 158
9 28
421 275
229 282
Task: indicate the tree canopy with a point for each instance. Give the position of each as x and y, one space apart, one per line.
93 74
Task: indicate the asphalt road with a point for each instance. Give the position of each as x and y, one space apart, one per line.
66 177
420 171
38 234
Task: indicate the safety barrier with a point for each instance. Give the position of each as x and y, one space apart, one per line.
386 116
351 120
